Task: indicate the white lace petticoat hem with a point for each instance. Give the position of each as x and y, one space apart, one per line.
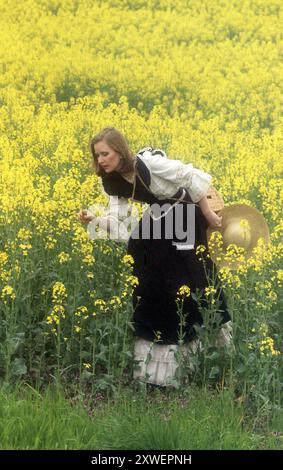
157 363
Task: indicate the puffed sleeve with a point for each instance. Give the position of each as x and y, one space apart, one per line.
113 222
182 174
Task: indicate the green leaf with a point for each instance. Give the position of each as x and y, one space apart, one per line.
19 366
214 372
86 375
214 356
16 341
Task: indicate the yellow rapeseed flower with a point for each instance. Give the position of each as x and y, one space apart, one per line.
63 257
59 292
184 291
8 291
128 259
132 280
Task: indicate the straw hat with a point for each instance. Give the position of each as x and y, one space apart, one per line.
242 226
214 199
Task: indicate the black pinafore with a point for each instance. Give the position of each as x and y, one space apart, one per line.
161 269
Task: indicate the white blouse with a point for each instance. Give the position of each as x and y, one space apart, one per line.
166 177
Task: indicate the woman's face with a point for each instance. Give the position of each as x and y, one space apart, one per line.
107 158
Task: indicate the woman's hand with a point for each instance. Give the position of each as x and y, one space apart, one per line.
213 219
85 216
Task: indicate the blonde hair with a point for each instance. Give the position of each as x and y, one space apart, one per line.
118 143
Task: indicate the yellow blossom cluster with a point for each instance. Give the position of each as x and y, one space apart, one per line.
87 365
209 293
8 292
267 347
101 305
128 260
229 278
184 291
132 281
262 342
266 296
4 270
63 257
267 343
115 300
82 312
200 249
56 314
59 292
24 234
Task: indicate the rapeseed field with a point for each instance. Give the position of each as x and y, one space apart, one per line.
201 80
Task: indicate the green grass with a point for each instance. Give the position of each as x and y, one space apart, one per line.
133 420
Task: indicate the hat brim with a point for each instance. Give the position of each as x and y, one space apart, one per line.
238 212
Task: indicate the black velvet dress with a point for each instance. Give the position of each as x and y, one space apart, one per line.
162 269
